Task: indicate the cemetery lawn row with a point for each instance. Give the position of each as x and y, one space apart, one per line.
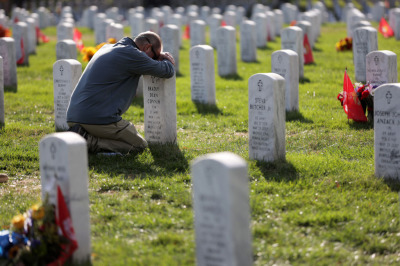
322 205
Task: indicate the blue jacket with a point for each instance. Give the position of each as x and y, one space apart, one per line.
108 85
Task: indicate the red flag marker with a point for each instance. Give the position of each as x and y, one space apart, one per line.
385 28
351 103
78 39
308 56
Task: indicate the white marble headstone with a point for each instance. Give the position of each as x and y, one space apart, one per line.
65 31
177 20
64 163
267 117
66 49
248 41
151 24
20 35
387 131
7 51
292 39
226 51
270 25
202 77
221 210
136 21
115 31
381 67
197 32
159 97
230 18
32 40
278 21
214 23
66 73
170 39
284 63
261 28
396 27
365 40
100 27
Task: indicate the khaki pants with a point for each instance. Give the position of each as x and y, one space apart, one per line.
116 137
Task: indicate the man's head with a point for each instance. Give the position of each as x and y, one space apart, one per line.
149 43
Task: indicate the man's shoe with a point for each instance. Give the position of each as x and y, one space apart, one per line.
79 130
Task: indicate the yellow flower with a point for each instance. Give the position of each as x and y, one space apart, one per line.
112 40
37 212
88 53
18 222
100 45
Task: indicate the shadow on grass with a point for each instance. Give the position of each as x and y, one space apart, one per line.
360 125
304 80
169 157
297 116
179 75
266 48
138 101
310 64
279 170
10 89
317 49
232 77
393 184
204 109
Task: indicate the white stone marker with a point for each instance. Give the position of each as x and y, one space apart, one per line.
136 21
267 117
248 41
2 110
170 38
7 51
214 23
202 78
65 31
387 131
381 67
284 63
261 27
230 18
396 27
64 163
66 49
292 39
221 210
365 40
226 51
20 35
115 31
278 21
100 28
305 26
66 73
32 40
197 32
270 25
177 20
159 97
151 24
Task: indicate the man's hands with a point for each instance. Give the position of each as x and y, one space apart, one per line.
168 56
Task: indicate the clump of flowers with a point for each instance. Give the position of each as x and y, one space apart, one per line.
345 44
33 238
88 52
364 93
4 32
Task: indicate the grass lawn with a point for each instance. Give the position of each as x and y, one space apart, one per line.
322 205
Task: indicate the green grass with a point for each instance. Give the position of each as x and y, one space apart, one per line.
322 205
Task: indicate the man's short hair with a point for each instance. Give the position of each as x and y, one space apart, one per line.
145 37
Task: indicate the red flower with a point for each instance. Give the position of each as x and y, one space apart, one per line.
360 89
364 94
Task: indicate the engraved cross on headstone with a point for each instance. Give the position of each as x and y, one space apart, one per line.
61 70
388 96
260 85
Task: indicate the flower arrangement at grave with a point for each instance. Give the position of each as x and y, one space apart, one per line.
37 237
88 52
357 99
345 44
4 32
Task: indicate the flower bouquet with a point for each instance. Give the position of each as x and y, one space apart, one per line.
364 94
35 238
345 44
